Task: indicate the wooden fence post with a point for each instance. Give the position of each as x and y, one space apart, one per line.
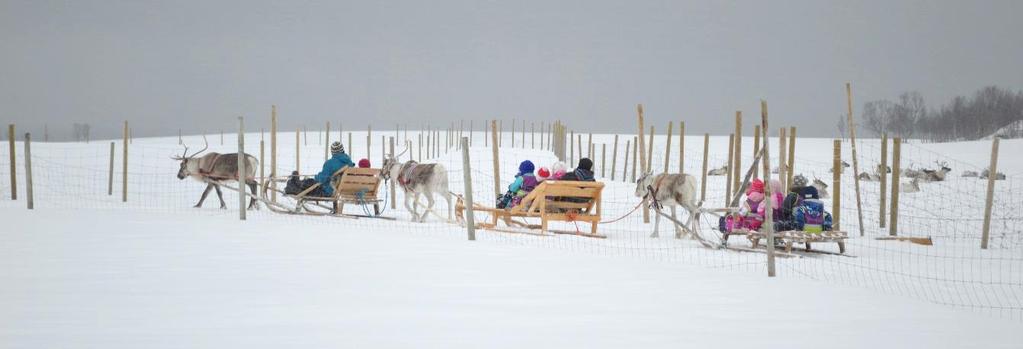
513 133
625 168
635 158
768 212
497 168
571 148
351 151
394 202
13 158
836 186
603 156
893 226
792 156
782 135
180 142
856 160
737 154
728 169
522 135
992 175
369 141
298 150
470 218
110 177
882 170
273 152
642 158
243 173
420 156
681 147
262 167
703 174
614 157
589 142
579 146
650 152
471 132
667 147
326 144
756 149
532 135
28 171
124 165
383 149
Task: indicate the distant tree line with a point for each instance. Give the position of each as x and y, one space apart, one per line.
963 118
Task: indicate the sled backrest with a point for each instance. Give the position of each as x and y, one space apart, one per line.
554 196
354 180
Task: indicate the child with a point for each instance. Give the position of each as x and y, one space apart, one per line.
364 163
524 182
543 174
753 208
810 216
776 200
558 170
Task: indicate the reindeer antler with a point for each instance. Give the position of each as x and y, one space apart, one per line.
183 154
402 152
205 146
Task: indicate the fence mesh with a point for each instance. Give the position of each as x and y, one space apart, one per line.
954 271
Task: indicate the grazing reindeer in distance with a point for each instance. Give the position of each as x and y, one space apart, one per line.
720 171
970 174
670 190
415 179
822 188
987 172
841 170
912 186
935 175
214 169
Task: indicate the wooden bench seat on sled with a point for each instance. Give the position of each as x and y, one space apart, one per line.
559 201
790 237
352 185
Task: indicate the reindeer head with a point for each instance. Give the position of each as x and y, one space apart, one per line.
643 184
188 165
817 182
944 166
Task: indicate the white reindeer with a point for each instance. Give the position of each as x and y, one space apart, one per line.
822 188
416 179
670 190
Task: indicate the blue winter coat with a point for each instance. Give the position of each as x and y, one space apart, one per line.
811 217
335 163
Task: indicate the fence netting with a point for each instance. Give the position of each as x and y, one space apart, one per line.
954 271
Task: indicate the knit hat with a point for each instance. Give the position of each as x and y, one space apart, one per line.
364 163
799 181
543 172
757 186
526 167
586 164
559 167
336 147
776 186
809 193
755 196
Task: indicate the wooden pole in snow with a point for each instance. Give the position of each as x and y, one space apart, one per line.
882 170
836 186
992 175
273 151
124 166
497 168
110 177
756 148
13 158
642 159
28 172
737 152
768 226
728 169
603 156
681 147
614 157
703 174
394 202
298 150
470 219
893 220
792 156
856 161
625 167
650 152
667 147
243 173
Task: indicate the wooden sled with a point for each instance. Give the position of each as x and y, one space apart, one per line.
790 237
560 201
351 185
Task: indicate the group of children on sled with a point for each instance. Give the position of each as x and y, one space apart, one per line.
800 209
525 181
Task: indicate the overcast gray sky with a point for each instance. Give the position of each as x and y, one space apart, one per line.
198 64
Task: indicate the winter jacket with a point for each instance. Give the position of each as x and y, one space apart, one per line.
579 175
810 217
523 184
776 208
335 163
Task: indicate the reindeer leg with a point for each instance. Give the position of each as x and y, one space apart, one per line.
657 223
674 217
429 205
209 186
415 208
447 197
408 206
220 195
252 200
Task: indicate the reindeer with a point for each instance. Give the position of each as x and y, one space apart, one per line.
416 179
935 175
822 188
912 186
670 190
970 174
987 172
841 169
215 169
720 171
863 176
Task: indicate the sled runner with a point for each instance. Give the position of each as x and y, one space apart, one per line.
790 237
359 186
561 201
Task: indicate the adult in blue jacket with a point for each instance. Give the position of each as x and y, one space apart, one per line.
337 161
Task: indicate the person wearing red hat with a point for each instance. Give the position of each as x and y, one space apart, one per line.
543 173
364 163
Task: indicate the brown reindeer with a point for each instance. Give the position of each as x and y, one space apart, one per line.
215 169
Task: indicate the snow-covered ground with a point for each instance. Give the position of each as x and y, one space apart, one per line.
570 289
102 278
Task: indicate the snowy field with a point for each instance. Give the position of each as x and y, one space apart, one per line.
86 268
